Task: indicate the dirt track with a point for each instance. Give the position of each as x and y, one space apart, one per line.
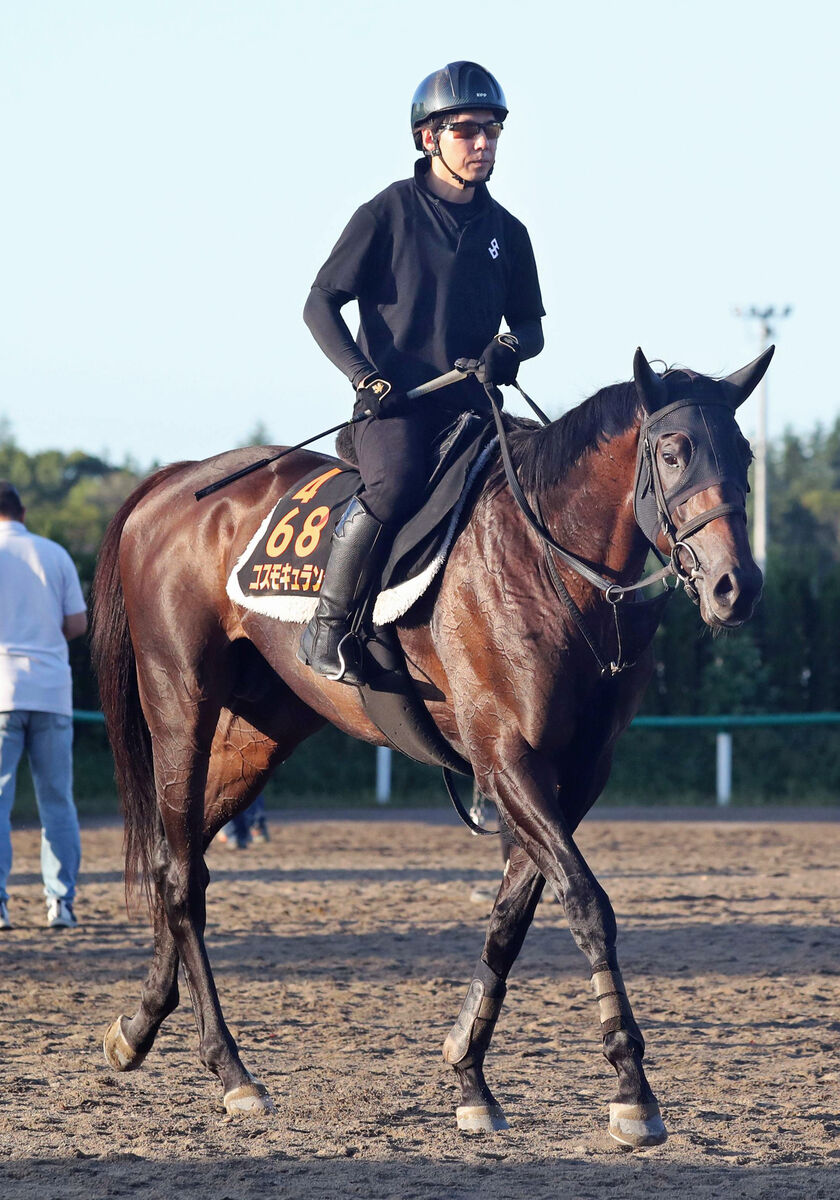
342 951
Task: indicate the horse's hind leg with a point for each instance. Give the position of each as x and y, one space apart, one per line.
129 1039
468 1042
181 769
244 749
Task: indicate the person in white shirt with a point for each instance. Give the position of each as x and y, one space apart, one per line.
41 609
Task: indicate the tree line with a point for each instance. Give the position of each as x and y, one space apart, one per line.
784 660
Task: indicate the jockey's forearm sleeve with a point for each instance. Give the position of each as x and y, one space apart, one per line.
322 314
529 334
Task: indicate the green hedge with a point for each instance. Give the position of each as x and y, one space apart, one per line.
781 765
652 767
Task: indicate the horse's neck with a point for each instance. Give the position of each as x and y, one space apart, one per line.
590 511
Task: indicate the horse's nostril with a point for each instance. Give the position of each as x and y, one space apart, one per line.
725 590
736 591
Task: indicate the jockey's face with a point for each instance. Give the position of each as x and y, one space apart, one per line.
472 158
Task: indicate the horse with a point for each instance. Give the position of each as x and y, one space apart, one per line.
517 639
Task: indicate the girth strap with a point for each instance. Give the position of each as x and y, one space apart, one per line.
458 804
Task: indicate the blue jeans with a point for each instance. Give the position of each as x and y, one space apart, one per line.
240 826
48 741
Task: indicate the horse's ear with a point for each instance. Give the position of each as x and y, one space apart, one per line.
738 386
650 389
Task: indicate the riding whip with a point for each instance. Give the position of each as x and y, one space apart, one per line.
433 385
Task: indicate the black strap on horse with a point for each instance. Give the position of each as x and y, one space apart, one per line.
675 534
550 548
616 665
613 592
458 805
683 572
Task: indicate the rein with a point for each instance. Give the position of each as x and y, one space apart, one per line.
613 592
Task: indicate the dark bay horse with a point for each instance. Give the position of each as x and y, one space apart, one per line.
203 699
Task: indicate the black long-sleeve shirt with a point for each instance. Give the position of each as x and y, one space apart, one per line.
434 282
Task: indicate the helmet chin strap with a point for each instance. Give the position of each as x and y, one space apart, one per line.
466 183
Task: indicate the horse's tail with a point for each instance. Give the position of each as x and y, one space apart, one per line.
116 668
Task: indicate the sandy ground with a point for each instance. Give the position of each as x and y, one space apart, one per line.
342 951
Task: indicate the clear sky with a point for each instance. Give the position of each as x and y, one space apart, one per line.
175 171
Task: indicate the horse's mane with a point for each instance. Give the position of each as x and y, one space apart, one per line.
542 455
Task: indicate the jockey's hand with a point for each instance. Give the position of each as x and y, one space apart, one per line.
500 360
376 397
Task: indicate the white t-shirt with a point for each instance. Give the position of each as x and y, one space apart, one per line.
39 587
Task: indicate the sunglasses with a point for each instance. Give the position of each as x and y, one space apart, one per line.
469 130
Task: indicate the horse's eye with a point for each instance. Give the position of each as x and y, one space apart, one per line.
675 451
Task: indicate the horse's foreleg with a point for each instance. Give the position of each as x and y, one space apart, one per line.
130 1039
527 795
467 1044
635 1119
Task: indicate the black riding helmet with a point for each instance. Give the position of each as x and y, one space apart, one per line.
457 86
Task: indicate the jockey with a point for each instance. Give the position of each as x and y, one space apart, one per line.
436 265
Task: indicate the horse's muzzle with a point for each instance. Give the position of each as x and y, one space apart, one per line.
732 596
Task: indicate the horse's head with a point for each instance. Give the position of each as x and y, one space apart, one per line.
691 483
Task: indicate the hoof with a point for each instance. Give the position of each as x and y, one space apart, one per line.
119 1052
637 1124
480 1118
251 1097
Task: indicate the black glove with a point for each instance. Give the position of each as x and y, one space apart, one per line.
376 397
500 360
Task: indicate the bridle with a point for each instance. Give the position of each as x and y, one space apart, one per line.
655 518
648 485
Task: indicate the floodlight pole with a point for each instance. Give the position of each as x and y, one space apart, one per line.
768 332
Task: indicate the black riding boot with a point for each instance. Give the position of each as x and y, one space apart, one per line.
356 551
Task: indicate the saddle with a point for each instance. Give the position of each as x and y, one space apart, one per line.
281 571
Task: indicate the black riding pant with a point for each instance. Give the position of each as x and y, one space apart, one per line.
396 460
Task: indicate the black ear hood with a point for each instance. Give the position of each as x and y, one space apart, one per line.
719 452
740 384
650 388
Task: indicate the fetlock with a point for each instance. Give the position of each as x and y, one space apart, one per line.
623 1053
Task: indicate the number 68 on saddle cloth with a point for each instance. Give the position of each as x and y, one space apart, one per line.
288 553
